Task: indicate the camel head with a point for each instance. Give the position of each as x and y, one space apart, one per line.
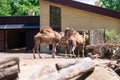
69 32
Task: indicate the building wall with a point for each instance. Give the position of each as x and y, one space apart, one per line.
44 13
78 19
44 21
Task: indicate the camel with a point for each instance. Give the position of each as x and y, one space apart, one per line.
80 40
68 42
36 46
49 36
46 35
75 40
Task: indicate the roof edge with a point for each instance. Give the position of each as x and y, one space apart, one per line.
87 7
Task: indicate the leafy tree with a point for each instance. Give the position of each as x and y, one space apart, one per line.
5 10
111 4
19 7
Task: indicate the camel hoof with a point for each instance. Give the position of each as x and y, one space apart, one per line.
53 56
66 57
40 57
34 57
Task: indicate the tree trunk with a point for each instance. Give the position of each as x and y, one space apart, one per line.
9 68
9 73
83 66
66 64
7 62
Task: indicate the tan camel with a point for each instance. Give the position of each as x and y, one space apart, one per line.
49 36
36 46
68 42
46 35
75 40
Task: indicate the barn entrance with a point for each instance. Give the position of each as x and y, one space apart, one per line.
20 40
17 32
16 39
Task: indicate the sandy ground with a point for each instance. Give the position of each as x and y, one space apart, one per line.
28 64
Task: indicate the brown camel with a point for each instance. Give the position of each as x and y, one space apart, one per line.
49 36
68 42
75 40
36 46
46 35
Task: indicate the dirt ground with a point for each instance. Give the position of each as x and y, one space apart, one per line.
28 64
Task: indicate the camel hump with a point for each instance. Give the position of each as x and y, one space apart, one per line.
46 29
57 35
38 34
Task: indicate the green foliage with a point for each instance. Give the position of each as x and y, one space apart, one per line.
4 9
19 7
111 4
112 36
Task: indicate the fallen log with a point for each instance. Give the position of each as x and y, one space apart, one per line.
85 65
66 64
9 68
10 73
10 61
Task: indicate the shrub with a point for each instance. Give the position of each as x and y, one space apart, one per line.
111 36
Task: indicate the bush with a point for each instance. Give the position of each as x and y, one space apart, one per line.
112 37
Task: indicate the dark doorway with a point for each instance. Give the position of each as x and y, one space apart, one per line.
20 39
16 39
55 19
2 41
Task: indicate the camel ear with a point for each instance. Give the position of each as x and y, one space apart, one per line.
71 30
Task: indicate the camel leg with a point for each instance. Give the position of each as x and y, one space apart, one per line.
66 52
78 52
34 52
83 51
38 48
34 47
70 52
74 54
73 49
54 50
